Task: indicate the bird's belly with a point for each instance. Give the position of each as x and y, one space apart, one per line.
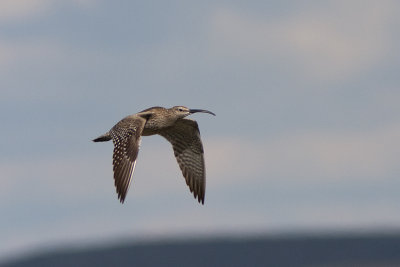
149 131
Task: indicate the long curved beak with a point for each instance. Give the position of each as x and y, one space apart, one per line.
200 110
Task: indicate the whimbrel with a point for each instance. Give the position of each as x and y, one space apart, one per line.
183 134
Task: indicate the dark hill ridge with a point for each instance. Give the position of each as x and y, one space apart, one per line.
362 250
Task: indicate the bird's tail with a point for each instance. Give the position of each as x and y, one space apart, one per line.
103 138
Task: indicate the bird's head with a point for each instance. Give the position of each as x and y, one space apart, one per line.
183 111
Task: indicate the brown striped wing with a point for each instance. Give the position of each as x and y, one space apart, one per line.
126 135
188 149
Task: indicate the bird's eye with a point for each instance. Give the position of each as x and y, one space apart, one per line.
180 109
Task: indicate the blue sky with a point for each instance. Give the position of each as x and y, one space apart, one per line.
306 136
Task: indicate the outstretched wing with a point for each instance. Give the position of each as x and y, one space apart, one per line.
126 135
188 149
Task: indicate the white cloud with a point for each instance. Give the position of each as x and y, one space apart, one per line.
231 161
305 156
14 10
325 42
14 53
11 10
86 176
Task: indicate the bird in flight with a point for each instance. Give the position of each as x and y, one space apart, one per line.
182 133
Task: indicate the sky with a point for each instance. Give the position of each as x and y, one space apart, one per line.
306 136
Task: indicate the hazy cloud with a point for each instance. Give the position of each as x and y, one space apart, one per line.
306 156
17 11
325 42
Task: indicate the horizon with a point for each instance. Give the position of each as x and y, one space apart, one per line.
286 250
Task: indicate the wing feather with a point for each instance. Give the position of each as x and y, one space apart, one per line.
184 136
126 136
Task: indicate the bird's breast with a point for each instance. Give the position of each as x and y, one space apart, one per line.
151 128
150 131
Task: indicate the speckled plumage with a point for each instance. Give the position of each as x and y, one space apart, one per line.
183 134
